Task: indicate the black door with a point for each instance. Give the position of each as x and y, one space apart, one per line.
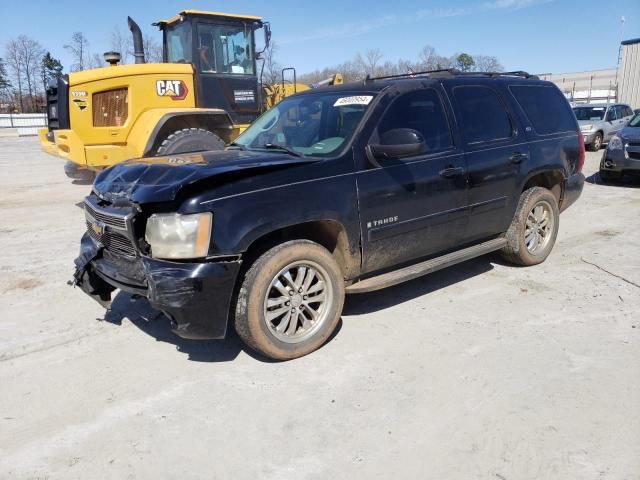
414 206
236 94
495 151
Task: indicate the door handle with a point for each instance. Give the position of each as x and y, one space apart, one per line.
452 172
518 157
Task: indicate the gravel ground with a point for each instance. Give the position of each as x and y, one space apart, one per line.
481 371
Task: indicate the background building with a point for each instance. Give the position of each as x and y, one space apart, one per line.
620 84
586 87
629 73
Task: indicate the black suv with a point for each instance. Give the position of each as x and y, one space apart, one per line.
339 189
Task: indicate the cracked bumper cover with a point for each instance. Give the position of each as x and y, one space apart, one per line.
195 296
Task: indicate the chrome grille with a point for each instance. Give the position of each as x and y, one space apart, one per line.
109 229
114 221
112 241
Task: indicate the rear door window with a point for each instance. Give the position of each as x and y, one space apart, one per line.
484 116
545 107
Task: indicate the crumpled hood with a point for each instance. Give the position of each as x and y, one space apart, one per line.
159 179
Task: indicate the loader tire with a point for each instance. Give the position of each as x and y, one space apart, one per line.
190 140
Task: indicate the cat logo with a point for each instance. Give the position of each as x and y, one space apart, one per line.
176 89
81 104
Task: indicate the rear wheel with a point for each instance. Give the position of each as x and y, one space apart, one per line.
290 300
190 140
534 228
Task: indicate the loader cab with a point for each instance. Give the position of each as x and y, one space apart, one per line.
221 48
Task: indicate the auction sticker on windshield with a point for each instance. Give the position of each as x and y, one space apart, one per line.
355 100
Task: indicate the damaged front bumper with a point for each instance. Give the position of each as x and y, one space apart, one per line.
195 296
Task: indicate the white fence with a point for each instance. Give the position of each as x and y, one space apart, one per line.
24 123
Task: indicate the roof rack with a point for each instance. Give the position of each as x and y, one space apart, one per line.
453 72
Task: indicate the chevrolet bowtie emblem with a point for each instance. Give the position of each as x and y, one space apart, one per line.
97 227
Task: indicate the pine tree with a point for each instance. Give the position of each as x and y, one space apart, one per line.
49 68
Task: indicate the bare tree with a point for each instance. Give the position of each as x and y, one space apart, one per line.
428 58
443 62
371 64
31 53
486 63
369 61
122 44
79 48
152 49
15 66
95 60
272 70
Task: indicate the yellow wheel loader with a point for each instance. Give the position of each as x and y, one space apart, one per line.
203 95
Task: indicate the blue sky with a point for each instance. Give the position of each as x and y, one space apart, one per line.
535 35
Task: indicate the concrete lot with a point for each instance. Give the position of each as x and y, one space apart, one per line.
481 371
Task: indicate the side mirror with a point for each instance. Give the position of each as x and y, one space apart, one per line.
398 143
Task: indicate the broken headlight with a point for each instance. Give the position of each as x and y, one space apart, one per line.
175 236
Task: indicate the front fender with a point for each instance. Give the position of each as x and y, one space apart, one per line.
242 219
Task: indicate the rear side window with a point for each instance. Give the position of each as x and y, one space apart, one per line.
545 107
419 110
484 117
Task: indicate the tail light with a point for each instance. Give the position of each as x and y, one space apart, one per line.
582 152
110 108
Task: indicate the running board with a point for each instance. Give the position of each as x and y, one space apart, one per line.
429 266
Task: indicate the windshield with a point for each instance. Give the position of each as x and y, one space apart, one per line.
178 40
589 113
226 49
315 125
635 121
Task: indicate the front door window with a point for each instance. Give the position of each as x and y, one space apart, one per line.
226 49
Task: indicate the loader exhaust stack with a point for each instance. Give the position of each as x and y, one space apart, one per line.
138 48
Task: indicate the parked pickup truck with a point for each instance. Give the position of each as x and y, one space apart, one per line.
338 190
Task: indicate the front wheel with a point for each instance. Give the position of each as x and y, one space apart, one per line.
596 144
534 228
290 300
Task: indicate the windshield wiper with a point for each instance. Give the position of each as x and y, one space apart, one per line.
237 146
275 146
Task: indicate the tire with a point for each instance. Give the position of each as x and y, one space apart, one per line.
189 140
260 296
520 239
609 177
596 144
